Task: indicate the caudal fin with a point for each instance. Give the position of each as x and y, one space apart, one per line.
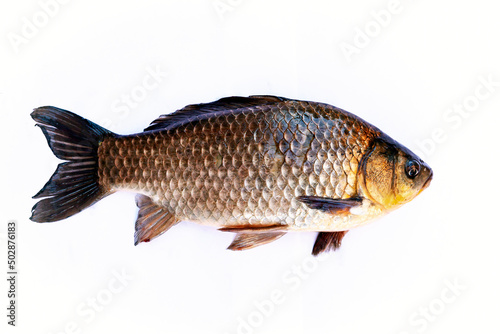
75 184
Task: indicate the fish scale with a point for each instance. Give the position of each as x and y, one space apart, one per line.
243 168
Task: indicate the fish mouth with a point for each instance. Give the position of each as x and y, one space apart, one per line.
428 182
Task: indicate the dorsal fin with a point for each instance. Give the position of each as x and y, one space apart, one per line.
225 105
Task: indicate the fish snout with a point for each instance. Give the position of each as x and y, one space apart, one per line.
427 173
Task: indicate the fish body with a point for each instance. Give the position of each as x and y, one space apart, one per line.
259 166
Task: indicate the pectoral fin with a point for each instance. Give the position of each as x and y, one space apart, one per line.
331 205
327 241
245 240
152 220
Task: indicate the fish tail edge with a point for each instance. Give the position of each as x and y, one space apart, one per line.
74 185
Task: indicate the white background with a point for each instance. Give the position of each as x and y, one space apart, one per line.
424 59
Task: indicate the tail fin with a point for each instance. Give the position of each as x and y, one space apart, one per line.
75 184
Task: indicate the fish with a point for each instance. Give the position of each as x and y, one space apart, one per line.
258 166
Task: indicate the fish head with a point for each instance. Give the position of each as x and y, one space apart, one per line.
391 175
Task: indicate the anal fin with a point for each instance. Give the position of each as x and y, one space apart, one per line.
247 240
328 241
152 220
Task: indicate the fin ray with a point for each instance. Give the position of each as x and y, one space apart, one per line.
71 188
152 220
244 240
328 241
194 112
330 205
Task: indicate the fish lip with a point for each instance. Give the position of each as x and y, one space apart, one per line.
429 179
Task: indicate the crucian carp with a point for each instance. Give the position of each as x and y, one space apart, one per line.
258 166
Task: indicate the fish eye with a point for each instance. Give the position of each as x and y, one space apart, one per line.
412 169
